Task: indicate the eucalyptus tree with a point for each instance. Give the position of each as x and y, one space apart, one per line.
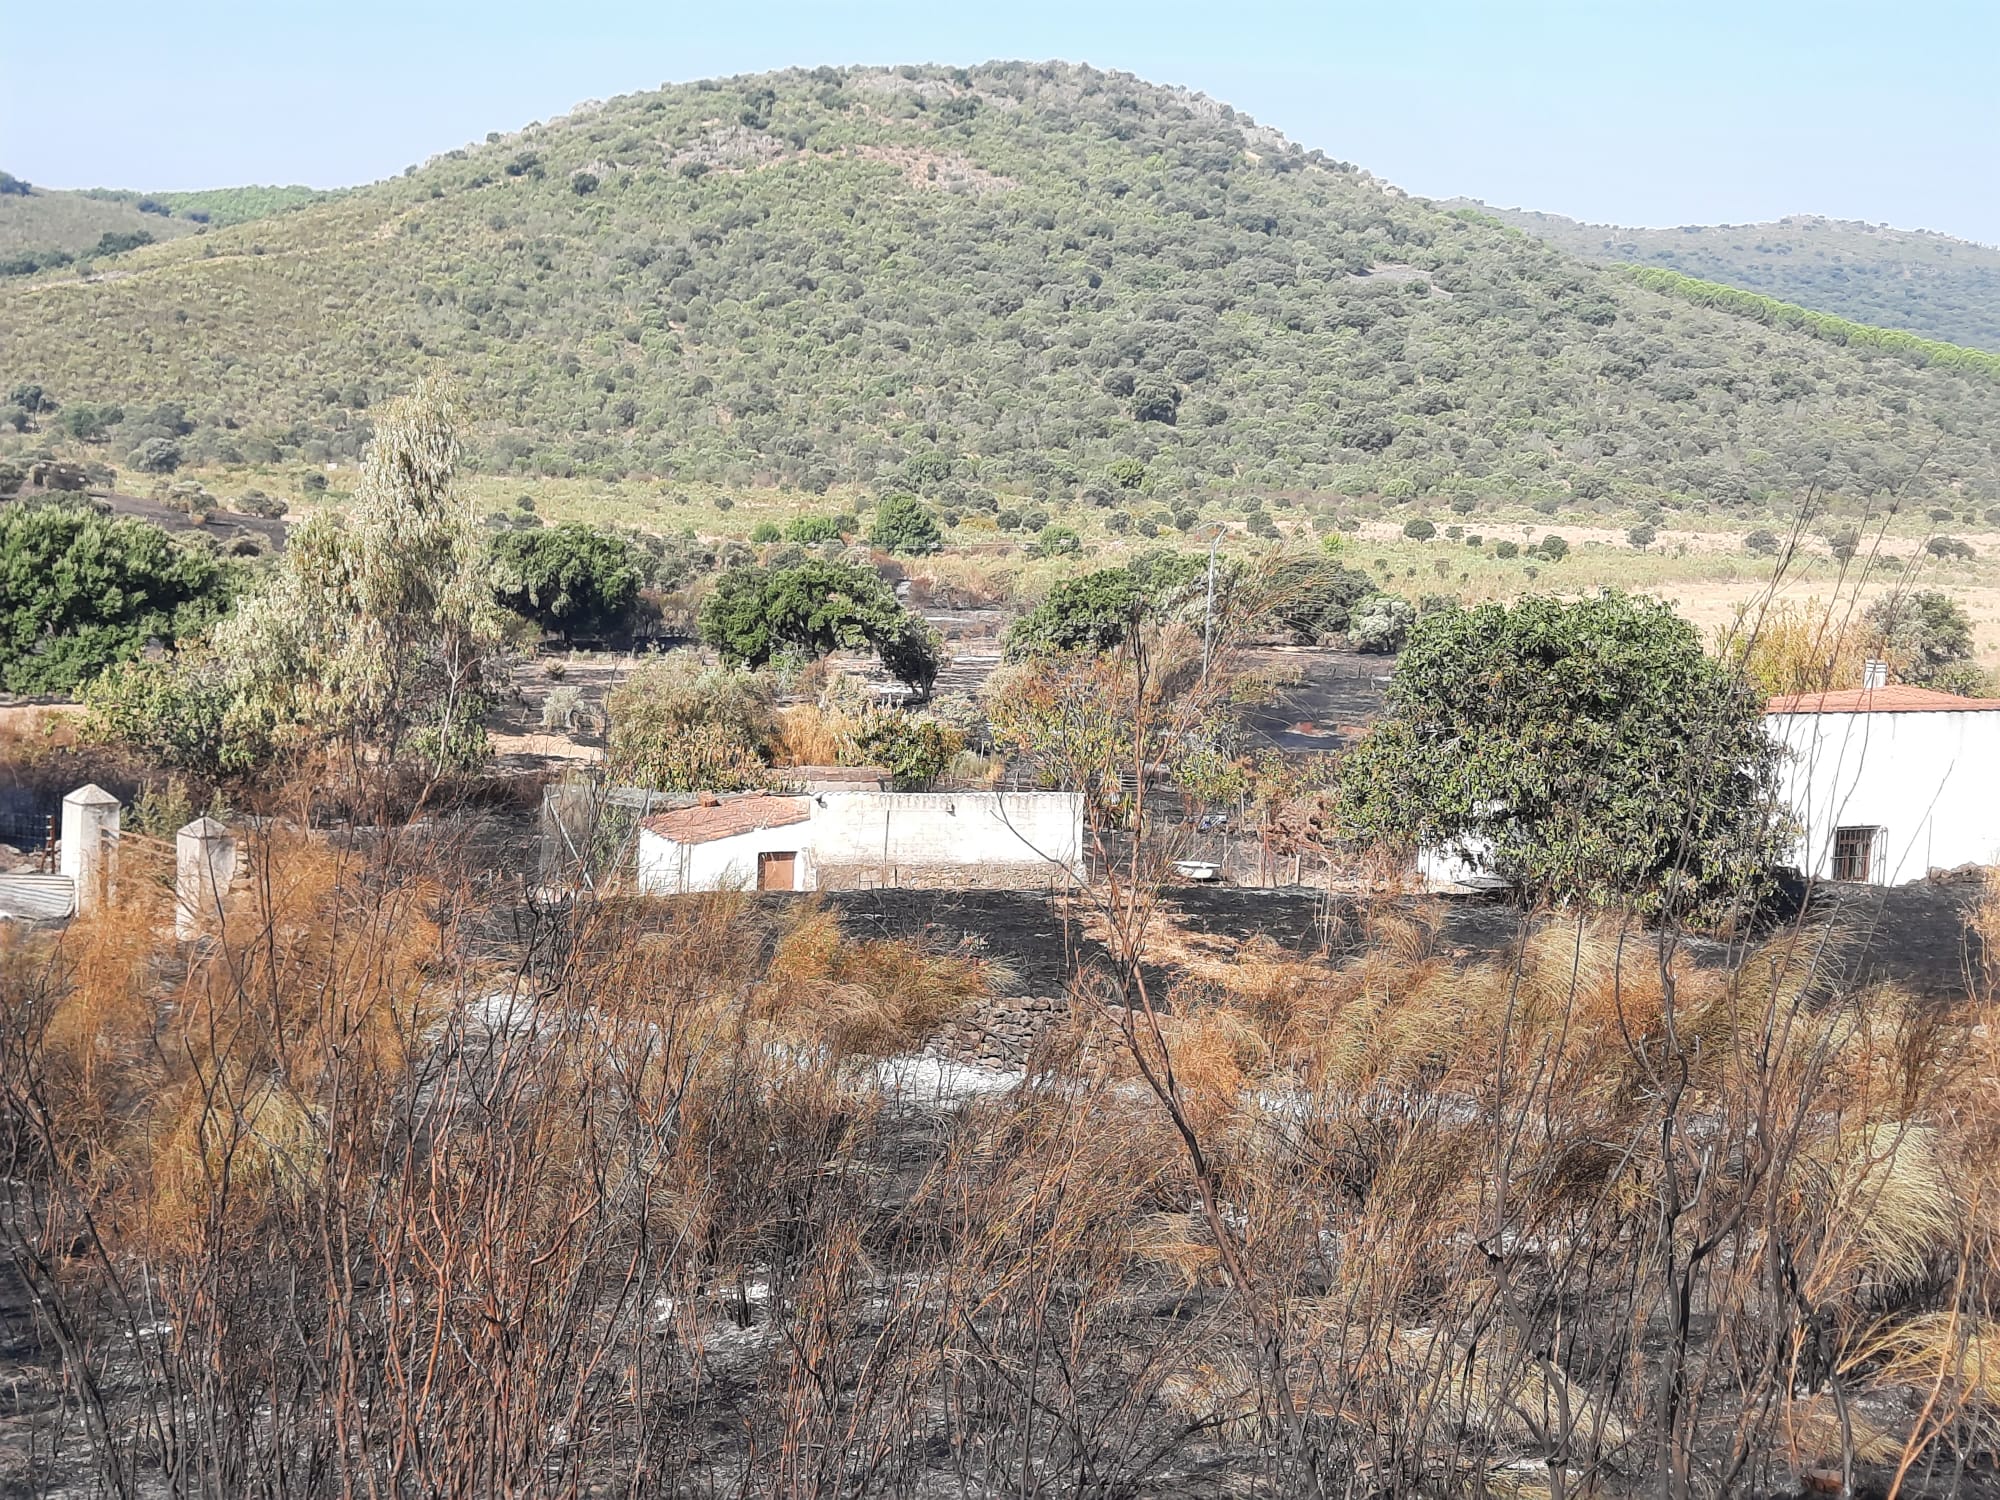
378 628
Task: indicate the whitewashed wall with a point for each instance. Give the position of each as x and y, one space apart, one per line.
667 868
1930 781
889 838
916 832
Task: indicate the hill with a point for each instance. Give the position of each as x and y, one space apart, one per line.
39 219
41 226
1913 279
1038 279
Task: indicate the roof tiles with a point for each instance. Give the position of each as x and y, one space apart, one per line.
1896 698
725 820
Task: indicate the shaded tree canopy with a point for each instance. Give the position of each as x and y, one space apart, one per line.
903 523
1589 751
80 591
1927 638
572 579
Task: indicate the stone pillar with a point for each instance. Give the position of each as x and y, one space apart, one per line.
204 864
89 830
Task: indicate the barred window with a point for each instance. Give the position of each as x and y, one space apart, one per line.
1854 853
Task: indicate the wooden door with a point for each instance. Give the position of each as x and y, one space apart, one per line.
777 872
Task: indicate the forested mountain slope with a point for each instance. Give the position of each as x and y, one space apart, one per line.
1032 271
1928 283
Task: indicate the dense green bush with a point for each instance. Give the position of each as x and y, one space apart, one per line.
1381 624
570 579
1314 599
80 591
903 523
751 613
1589 751
1927 637
810 531
679 725
1091 613
915 749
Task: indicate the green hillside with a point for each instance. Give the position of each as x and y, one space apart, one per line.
41 219
1927 283
1034 279
52 229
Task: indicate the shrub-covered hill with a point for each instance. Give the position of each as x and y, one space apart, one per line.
1019 275
36 220
1928 283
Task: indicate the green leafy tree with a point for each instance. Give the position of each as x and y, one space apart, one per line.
1419 530
183 712
1057 541
572 579
80 591
1314 598
157 455
378 628
915 749
912 652
810 531
750 614
1091 613
1642 537
903 523
1928 638
1588 751
1126 473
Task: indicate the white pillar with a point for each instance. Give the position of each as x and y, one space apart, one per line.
89 830
204 864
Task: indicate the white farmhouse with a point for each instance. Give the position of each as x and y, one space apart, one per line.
844 839
1889 782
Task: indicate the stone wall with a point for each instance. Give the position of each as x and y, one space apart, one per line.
991 875
999 1032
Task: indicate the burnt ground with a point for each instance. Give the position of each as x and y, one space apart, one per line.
1914 936
1335 695
224 526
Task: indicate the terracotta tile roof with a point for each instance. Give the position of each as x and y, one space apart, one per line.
1896 698
699 825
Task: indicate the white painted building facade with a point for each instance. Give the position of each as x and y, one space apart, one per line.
1890 782
846 839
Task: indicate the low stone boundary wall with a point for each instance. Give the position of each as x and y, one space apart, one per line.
999 1032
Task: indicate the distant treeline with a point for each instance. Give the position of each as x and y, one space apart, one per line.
1819 325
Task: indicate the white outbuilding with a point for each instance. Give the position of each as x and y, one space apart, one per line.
1889 782
845 839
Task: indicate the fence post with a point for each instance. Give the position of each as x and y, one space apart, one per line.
89 832
204 865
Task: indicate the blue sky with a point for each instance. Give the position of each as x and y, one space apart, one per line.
1616 112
